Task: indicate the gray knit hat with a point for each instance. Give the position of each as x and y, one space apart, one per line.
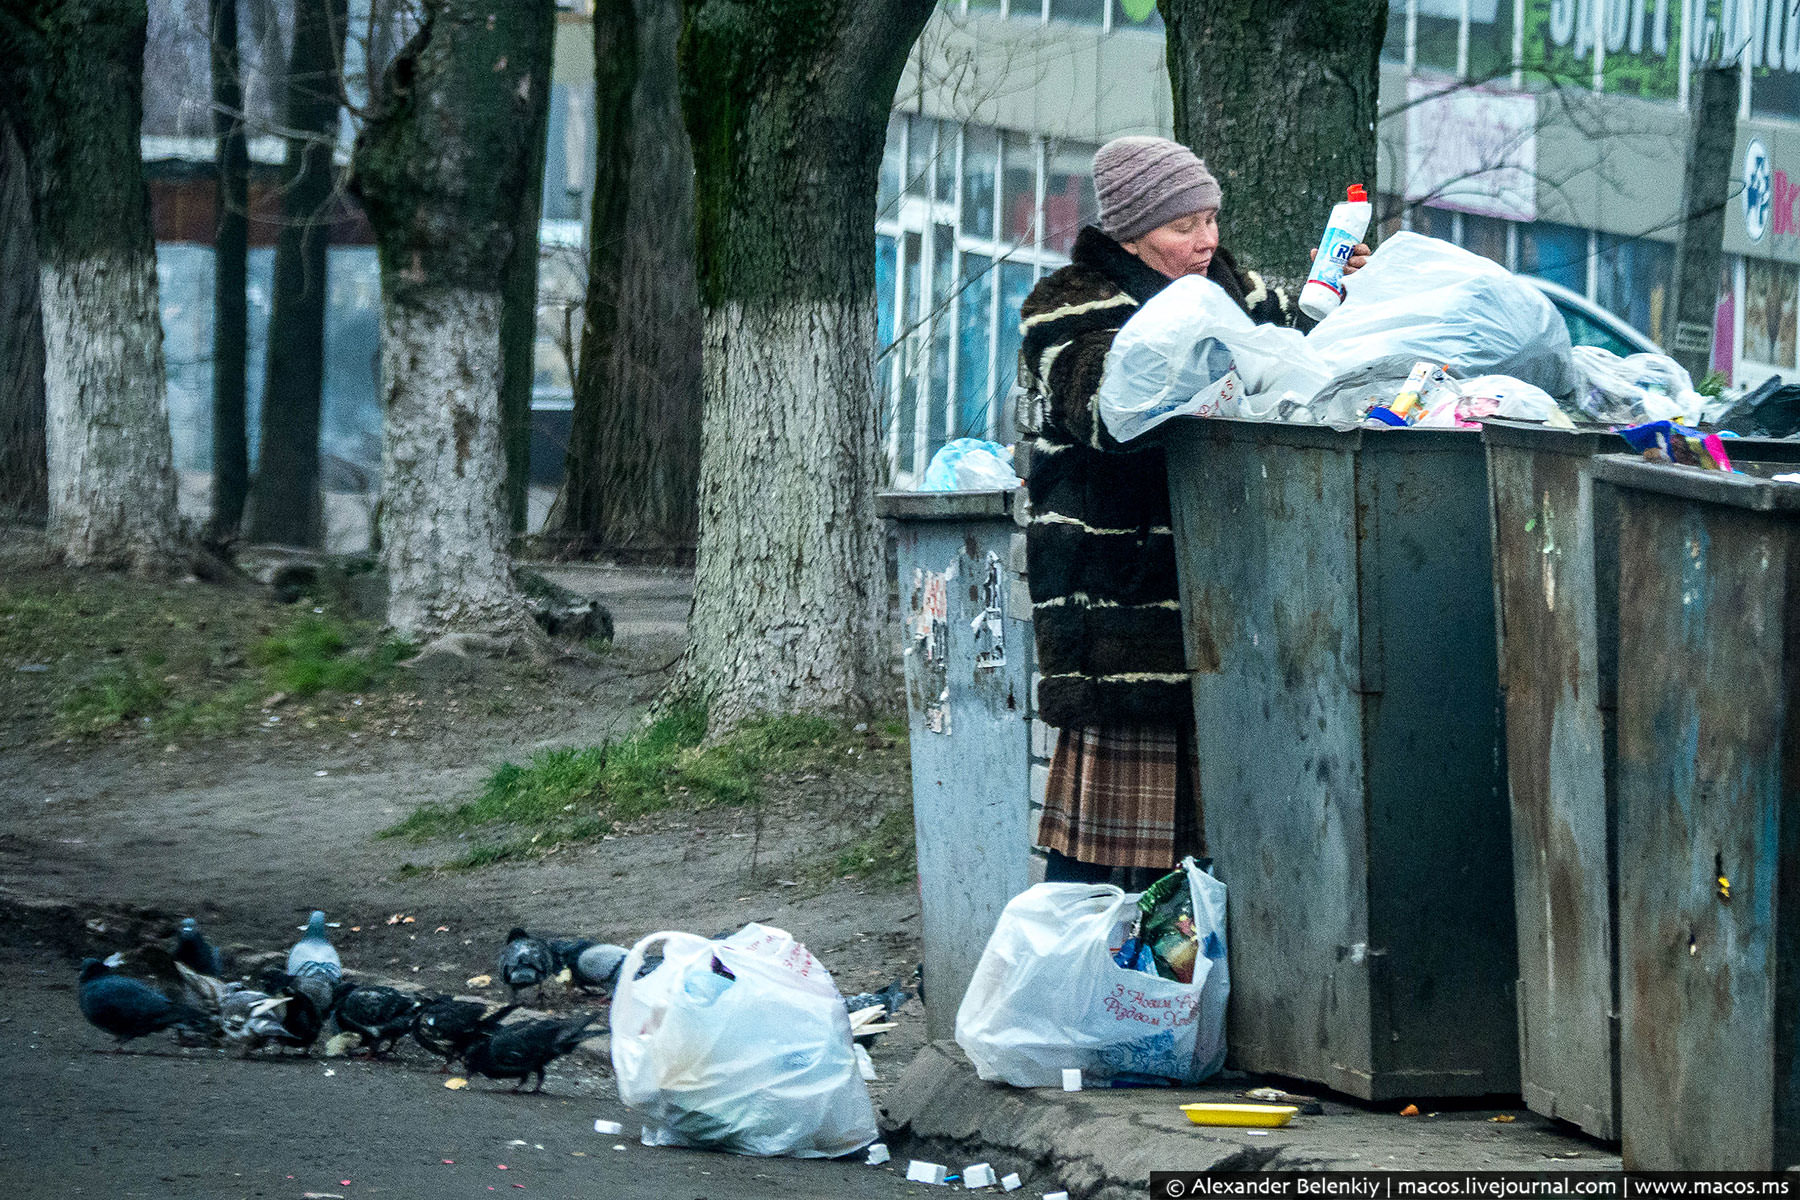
1143 182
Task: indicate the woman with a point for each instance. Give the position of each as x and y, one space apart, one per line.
1122 788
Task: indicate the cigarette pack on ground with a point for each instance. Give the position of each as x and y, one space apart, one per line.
1071 1079
1056 1196
608 1127
929 1172
977 1175
1010 1183
878 1154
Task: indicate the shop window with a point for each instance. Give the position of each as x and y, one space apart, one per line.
1485 236
1634 279
1019 195
981 154
974 391
1068 195
1439 26
1026 10
1769 311
980 6
1435 222
1490 40
1555 252
1078 12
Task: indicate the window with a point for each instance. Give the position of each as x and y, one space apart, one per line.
1435 222
974 389
1393 46
1555 252
1079 12
1019 200
1439 27
1485 236
885 263
1491 26
919 132
981 156
887 199
1015 285
1769 311
1635 278
1136 14
1068 195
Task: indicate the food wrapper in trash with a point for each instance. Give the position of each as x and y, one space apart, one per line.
1167 926
1678 444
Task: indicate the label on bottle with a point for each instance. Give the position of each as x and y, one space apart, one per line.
1335 249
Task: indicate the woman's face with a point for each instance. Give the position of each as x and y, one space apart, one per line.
1183 246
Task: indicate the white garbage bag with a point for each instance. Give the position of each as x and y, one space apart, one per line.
1506 397
1422 299
1634 389
741 1044
1048 995
1191 351
970 464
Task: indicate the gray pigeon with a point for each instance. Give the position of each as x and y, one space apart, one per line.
524 961
598 966
315 951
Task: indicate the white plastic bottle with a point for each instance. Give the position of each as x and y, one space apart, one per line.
1324 288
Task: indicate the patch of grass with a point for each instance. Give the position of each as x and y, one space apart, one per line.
886 854
318 653
131 691
580 794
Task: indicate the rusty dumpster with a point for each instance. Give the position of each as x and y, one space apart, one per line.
1337 595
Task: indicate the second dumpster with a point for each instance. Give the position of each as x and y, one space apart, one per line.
1339 612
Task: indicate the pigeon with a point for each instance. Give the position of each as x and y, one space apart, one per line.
314 953
446 1027
129 1009
304 1016
252 1019
524 962
203 991
193 950
378 1014
564 951
516 1051
597 966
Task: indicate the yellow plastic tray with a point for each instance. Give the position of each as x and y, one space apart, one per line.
1266 1115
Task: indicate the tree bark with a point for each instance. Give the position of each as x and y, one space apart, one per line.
286 506
1279 97
441 167
634 452
518 315
231 249
23 493
787 106
79 95
1706 192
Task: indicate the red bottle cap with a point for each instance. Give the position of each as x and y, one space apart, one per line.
1356 193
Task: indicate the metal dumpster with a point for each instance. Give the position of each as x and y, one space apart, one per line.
968 656
1709 817
1339 610
1556 586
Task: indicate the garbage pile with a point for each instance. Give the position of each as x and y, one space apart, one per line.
1430 336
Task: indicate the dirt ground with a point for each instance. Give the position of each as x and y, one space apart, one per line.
106 841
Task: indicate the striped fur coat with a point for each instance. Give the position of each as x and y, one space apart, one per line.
1101 556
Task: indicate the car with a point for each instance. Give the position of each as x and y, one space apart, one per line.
1591 325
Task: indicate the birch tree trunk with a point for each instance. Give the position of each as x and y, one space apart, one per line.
231 249
634 448
441 167
80 100
286 506
787 106
1278 96
22 481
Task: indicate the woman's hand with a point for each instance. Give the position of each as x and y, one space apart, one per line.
1359 258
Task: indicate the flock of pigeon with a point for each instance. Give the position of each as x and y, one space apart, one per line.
290 1008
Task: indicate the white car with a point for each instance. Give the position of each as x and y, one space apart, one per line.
1591 325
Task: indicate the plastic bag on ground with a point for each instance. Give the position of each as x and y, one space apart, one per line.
1048 994
1191 351
741 1044
1420 298
970 464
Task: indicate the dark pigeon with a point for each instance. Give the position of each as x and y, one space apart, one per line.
304 1016
194 951
524 962
380 1015
129 1009
518 1051
564 951
446 1027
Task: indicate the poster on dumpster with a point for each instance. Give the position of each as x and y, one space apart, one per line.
990 620
928 671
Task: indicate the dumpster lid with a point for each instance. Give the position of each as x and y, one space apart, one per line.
1584 442
1323 437
1693 483
946 506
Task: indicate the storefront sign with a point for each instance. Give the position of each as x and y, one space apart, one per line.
1472 149
1758 185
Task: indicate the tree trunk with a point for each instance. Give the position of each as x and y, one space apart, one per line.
787 106
518 317
231 248
286 505
111 478
23 492
1706 192
1279 97
442 170
634 452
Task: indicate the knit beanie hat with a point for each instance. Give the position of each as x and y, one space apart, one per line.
1144 182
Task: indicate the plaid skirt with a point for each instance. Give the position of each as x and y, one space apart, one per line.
1123 796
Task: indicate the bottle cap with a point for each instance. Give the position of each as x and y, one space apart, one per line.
1356 193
